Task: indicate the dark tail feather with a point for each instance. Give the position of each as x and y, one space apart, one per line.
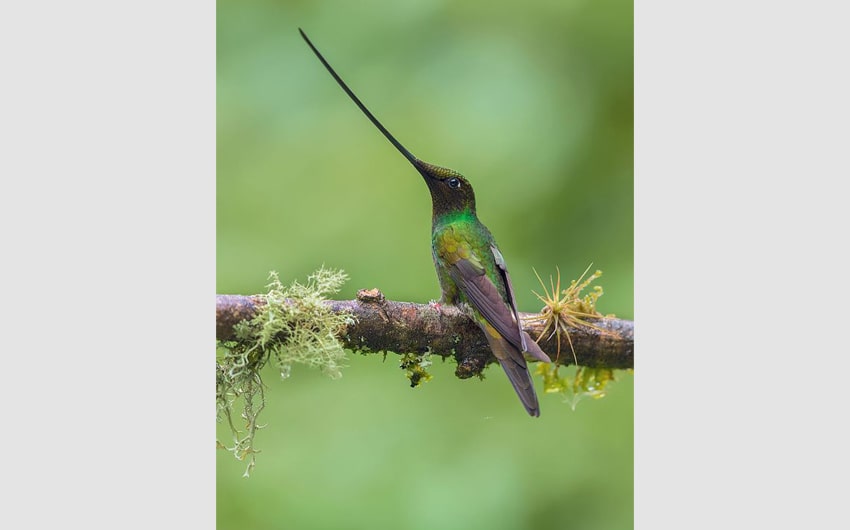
514 365
523 385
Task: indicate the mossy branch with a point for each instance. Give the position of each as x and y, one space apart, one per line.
298 324
381 325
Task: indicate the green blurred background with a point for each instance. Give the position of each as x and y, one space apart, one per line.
532 102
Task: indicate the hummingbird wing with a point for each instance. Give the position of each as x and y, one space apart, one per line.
525 340
471 278
509 290
501 330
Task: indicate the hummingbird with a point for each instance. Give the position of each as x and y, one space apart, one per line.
471 270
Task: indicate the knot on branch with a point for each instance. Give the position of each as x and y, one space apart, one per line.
471 365
370 296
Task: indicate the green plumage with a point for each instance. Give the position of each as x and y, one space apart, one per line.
470 268
460 236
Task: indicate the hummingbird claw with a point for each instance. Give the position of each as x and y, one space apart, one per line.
436 305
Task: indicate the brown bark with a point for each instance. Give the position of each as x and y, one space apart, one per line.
403 327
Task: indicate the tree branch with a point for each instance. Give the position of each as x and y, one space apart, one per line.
403 327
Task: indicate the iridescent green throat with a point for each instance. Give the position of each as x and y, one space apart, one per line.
466 215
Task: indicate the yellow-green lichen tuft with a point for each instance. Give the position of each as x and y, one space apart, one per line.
294 326
416 368
567 307
562 309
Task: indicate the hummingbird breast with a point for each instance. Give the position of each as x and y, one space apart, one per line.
462 239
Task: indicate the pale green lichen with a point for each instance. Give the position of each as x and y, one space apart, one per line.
586 383
294 326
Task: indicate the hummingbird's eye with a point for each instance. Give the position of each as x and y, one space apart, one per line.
454 183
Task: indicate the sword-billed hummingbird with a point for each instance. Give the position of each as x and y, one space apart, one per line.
470 268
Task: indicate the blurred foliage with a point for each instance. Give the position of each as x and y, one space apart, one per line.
532 102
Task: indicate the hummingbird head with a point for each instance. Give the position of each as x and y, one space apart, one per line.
450 191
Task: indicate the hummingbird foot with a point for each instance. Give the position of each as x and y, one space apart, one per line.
437 306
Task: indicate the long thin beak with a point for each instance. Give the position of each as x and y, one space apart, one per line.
403 150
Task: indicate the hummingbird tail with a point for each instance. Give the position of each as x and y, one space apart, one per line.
515 367
523 385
